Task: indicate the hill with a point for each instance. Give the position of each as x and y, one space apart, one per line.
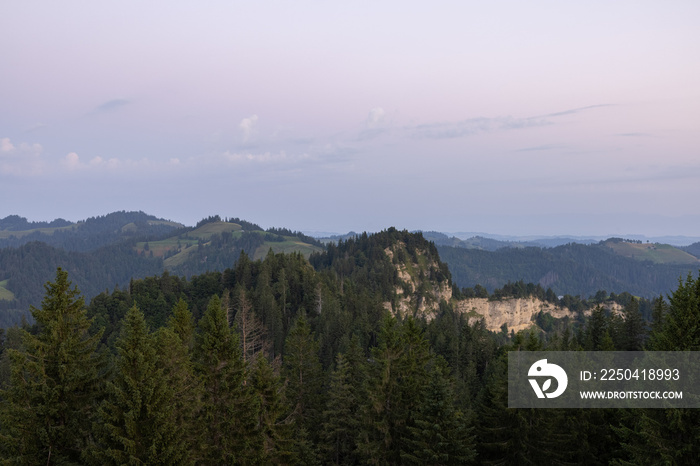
86 235
614 265
323 325
652 252
693 249
103 252
216 244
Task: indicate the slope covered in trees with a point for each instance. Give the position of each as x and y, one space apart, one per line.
87 235
104 252
275 361
574 269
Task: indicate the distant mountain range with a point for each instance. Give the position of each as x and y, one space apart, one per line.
103 252
523 241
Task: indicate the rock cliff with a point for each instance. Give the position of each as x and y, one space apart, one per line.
517 313
422 283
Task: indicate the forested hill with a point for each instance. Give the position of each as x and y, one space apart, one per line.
285 360
86 235
103 252
355 281
646 270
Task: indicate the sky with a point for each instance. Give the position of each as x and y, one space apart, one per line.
507 117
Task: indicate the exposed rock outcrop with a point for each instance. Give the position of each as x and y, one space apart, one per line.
516 313
422 283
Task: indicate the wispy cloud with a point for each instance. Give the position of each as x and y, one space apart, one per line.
111 105
574 110
472 126
633 135
544 147
462 128
35 128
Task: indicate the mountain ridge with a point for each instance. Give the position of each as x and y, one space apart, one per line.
108 251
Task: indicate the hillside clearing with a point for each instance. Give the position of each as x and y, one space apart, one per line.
654 252
5 294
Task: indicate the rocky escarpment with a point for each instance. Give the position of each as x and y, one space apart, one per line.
422 282
516 313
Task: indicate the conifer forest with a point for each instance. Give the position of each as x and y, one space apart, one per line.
289 360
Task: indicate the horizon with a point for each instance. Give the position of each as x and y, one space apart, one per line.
516 119
675 240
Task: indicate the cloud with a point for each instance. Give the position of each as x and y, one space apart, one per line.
472 126
633 135
278 159
248 126
20 159
574 110
375 117
6 145
463 128
543 147
35 128
111 105
72 161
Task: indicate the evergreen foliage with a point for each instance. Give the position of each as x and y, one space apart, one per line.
55 383
291 364
227 413
138 422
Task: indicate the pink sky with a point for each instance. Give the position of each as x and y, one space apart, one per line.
451 116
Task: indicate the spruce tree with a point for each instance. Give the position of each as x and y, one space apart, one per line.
633 329
304 375
273 431
182 323
227 414
595 329
668 436
441 434
342 418
396 383
340 421
55 383
137 422
178 370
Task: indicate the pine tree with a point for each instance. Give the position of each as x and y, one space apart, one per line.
251 331
441 435
396 383
595 329
680 328
178 370
302 369
505 436
138 422
55 383
272 429
340 420
658 313
182 323
633 330
227 413
669 436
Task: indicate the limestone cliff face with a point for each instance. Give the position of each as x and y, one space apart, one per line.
422 285
421 290
517 313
